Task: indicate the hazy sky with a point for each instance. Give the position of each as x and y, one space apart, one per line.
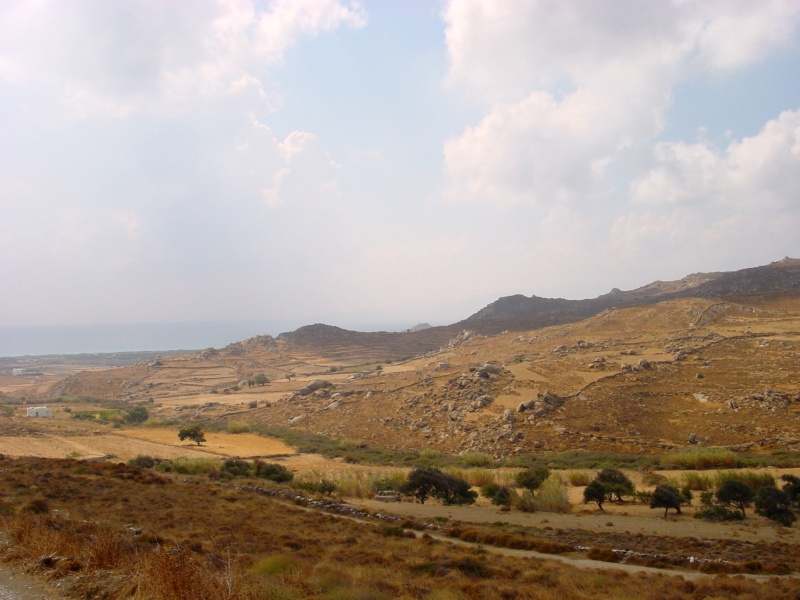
391 161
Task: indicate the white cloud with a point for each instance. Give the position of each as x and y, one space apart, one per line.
761 171
742 201
572 88
124 57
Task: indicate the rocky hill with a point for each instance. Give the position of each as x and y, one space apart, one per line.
519 312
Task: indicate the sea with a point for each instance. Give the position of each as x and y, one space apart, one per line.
91 339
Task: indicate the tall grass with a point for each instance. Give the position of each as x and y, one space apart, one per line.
479 477
701 459
237 427
552 495
750 478
578 478
696 481
356 484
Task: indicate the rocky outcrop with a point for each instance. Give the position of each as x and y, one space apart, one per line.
542 405
766 399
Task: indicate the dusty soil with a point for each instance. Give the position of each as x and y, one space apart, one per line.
19 586
627 518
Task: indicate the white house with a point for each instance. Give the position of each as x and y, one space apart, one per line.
40 411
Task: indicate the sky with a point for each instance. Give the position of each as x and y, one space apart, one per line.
377 164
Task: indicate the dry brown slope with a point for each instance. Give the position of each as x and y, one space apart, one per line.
707 363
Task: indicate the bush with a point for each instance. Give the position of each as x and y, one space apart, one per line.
138 414
775 505
476 459
718 513
498 495
272 472
791 488
142 461
236 467
532 478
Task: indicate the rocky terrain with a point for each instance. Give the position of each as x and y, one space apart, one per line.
640 379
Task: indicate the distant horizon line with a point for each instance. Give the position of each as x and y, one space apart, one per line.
108 338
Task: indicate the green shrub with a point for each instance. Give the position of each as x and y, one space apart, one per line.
476 459
498 495
138 414
272 471
236 467
532 478
718 513
775 505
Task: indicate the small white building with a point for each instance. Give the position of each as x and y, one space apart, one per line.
17 372
40 411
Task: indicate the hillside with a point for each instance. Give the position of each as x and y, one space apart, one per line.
641 379
520 312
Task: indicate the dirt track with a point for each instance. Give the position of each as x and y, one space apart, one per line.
682 526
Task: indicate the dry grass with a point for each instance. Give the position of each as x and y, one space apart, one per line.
92 532
237 544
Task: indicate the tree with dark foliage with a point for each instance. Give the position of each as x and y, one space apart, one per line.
425 482
735 493
775 505
666 497
616 484
595 492
194 433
